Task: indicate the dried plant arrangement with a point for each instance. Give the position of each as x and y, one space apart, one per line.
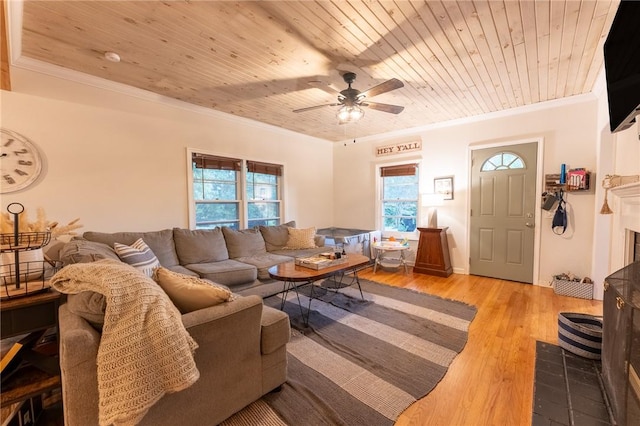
40 225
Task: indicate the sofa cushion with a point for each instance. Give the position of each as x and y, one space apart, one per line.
303 238
276 237
138 255
88 305
83 251
244 243
182 270
227 272
190 293
160 242
200 245
276 330
264 261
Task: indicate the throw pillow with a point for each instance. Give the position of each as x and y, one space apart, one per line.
244 243
301 238
83 251
138 255
200 245
190 293
276 236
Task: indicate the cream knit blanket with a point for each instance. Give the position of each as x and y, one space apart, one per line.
145 351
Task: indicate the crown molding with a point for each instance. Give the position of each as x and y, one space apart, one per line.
572 100
126 90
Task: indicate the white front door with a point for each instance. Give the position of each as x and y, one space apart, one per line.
502 222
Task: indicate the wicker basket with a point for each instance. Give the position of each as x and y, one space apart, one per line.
579 289
580 334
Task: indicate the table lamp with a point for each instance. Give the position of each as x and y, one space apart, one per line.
432 201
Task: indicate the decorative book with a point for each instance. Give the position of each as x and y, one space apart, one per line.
319 262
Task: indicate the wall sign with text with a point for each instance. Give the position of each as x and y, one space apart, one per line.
398 148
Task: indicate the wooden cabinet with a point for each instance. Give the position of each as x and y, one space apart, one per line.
433 253
30 314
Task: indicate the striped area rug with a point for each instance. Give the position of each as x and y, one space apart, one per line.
361 362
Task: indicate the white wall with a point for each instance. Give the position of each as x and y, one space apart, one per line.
119 162
569 131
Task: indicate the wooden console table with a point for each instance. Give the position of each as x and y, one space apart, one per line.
433 253
27 315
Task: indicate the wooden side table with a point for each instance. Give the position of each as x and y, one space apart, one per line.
22 316
433 253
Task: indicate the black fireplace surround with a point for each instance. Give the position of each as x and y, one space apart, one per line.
621 343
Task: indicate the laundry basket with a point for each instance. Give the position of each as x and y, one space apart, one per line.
580 334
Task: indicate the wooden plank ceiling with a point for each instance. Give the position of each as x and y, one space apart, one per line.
262 60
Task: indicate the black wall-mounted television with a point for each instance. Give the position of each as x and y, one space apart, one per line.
622 66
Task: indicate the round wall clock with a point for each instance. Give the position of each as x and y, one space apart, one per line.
20 162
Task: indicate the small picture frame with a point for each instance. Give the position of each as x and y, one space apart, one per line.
444 185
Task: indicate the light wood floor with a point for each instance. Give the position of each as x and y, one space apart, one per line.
491 381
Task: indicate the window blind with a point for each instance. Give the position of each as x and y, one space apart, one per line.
204 161
399 170
264 168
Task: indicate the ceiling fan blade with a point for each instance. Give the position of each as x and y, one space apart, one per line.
393 109
314 107
387 86
324 86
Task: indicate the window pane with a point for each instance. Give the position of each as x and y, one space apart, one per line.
214 174
400 203
263 210
261 178
216 212
198 191
219 191
263 222
197 174
219 199
502 161
262 186
262 192
517 164
508 158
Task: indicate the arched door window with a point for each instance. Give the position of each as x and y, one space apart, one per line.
503 161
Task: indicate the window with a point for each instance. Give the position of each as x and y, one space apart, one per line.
218 197
400 190
503 161
263 193
215 191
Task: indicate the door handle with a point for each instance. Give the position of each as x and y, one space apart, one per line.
529 225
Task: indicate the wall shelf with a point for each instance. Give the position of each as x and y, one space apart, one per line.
576 180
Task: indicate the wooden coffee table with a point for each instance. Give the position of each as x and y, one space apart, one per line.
295 276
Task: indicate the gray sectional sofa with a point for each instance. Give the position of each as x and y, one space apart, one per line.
237 259
242 343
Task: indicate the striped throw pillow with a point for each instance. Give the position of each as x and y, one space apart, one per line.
138 255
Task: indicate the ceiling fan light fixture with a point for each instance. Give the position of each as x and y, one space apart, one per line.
350 114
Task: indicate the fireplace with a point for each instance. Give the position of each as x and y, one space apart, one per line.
621 309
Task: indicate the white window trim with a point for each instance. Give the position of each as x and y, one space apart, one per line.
378 204
243 213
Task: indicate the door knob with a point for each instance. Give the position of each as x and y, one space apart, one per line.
529 225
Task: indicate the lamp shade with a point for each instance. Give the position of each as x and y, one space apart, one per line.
431 201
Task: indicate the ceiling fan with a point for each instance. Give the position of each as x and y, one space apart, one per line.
352 100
